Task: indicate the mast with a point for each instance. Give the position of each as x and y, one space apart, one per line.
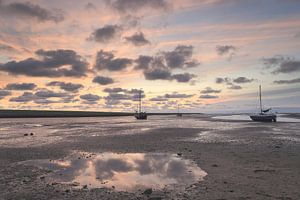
260 99
140 99
178 109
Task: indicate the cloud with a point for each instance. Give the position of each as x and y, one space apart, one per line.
176 95
138 39
4 93
183 78
70 87
90 98
125 6
157 74
234 87
43 96
209 90
160 66
117 95
7 48
20 86
103 80
23 10
225 49
243 80
106 61
105 34
50 64
222 80
292 81
179 56
207 96
282 64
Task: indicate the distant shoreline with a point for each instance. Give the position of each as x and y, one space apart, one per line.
57 114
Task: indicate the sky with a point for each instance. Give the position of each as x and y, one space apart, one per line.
204 55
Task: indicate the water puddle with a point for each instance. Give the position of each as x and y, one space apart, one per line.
247 118
122 172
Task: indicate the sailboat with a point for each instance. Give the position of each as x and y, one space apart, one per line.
178 113
139 114
264 115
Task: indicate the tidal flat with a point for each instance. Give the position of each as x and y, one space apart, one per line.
164 157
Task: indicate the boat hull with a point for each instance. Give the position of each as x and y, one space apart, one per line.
263 118
141 116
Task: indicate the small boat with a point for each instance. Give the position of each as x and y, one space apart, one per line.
139 114
264 115
178 113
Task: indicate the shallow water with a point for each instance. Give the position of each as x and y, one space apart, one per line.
123 172
280 118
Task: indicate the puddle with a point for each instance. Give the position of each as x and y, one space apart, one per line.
123 172
247 118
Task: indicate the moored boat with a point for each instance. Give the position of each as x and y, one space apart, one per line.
264 115
140 115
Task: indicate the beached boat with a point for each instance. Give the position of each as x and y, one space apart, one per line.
178 113
139 114
264 115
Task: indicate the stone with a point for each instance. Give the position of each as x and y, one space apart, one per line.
148 191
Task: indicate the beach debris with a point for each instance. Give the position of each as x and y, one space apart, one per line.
25 134
179 154
148 191
75 184
31 134
42 177
214 165
67 190
84 187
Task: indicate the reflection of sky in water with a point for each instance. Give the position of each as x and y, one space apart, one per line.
126 172
280 118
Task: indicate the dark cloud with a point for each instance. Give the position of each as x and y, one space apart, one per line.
4 93
30 10
143 62
50 64
288 67
105 34
223 80
209 90
90 98
176 95
138 39
125 6
158 98
117 95
179 56
160 66
243 80
107 61
225 49
70 87
158 74
207 96
102 80
20 86
43 96
292 81
183 78
282 64
230 82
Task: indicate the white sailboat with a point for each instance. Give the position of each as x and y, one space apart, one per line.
264 115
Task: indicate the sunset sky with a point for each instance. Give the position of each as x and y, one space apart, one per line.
206 55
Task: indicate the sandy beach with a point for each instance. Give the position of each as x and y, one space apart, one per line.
225 159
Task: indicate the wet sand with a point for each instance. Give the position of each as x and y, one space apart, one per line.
243 160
